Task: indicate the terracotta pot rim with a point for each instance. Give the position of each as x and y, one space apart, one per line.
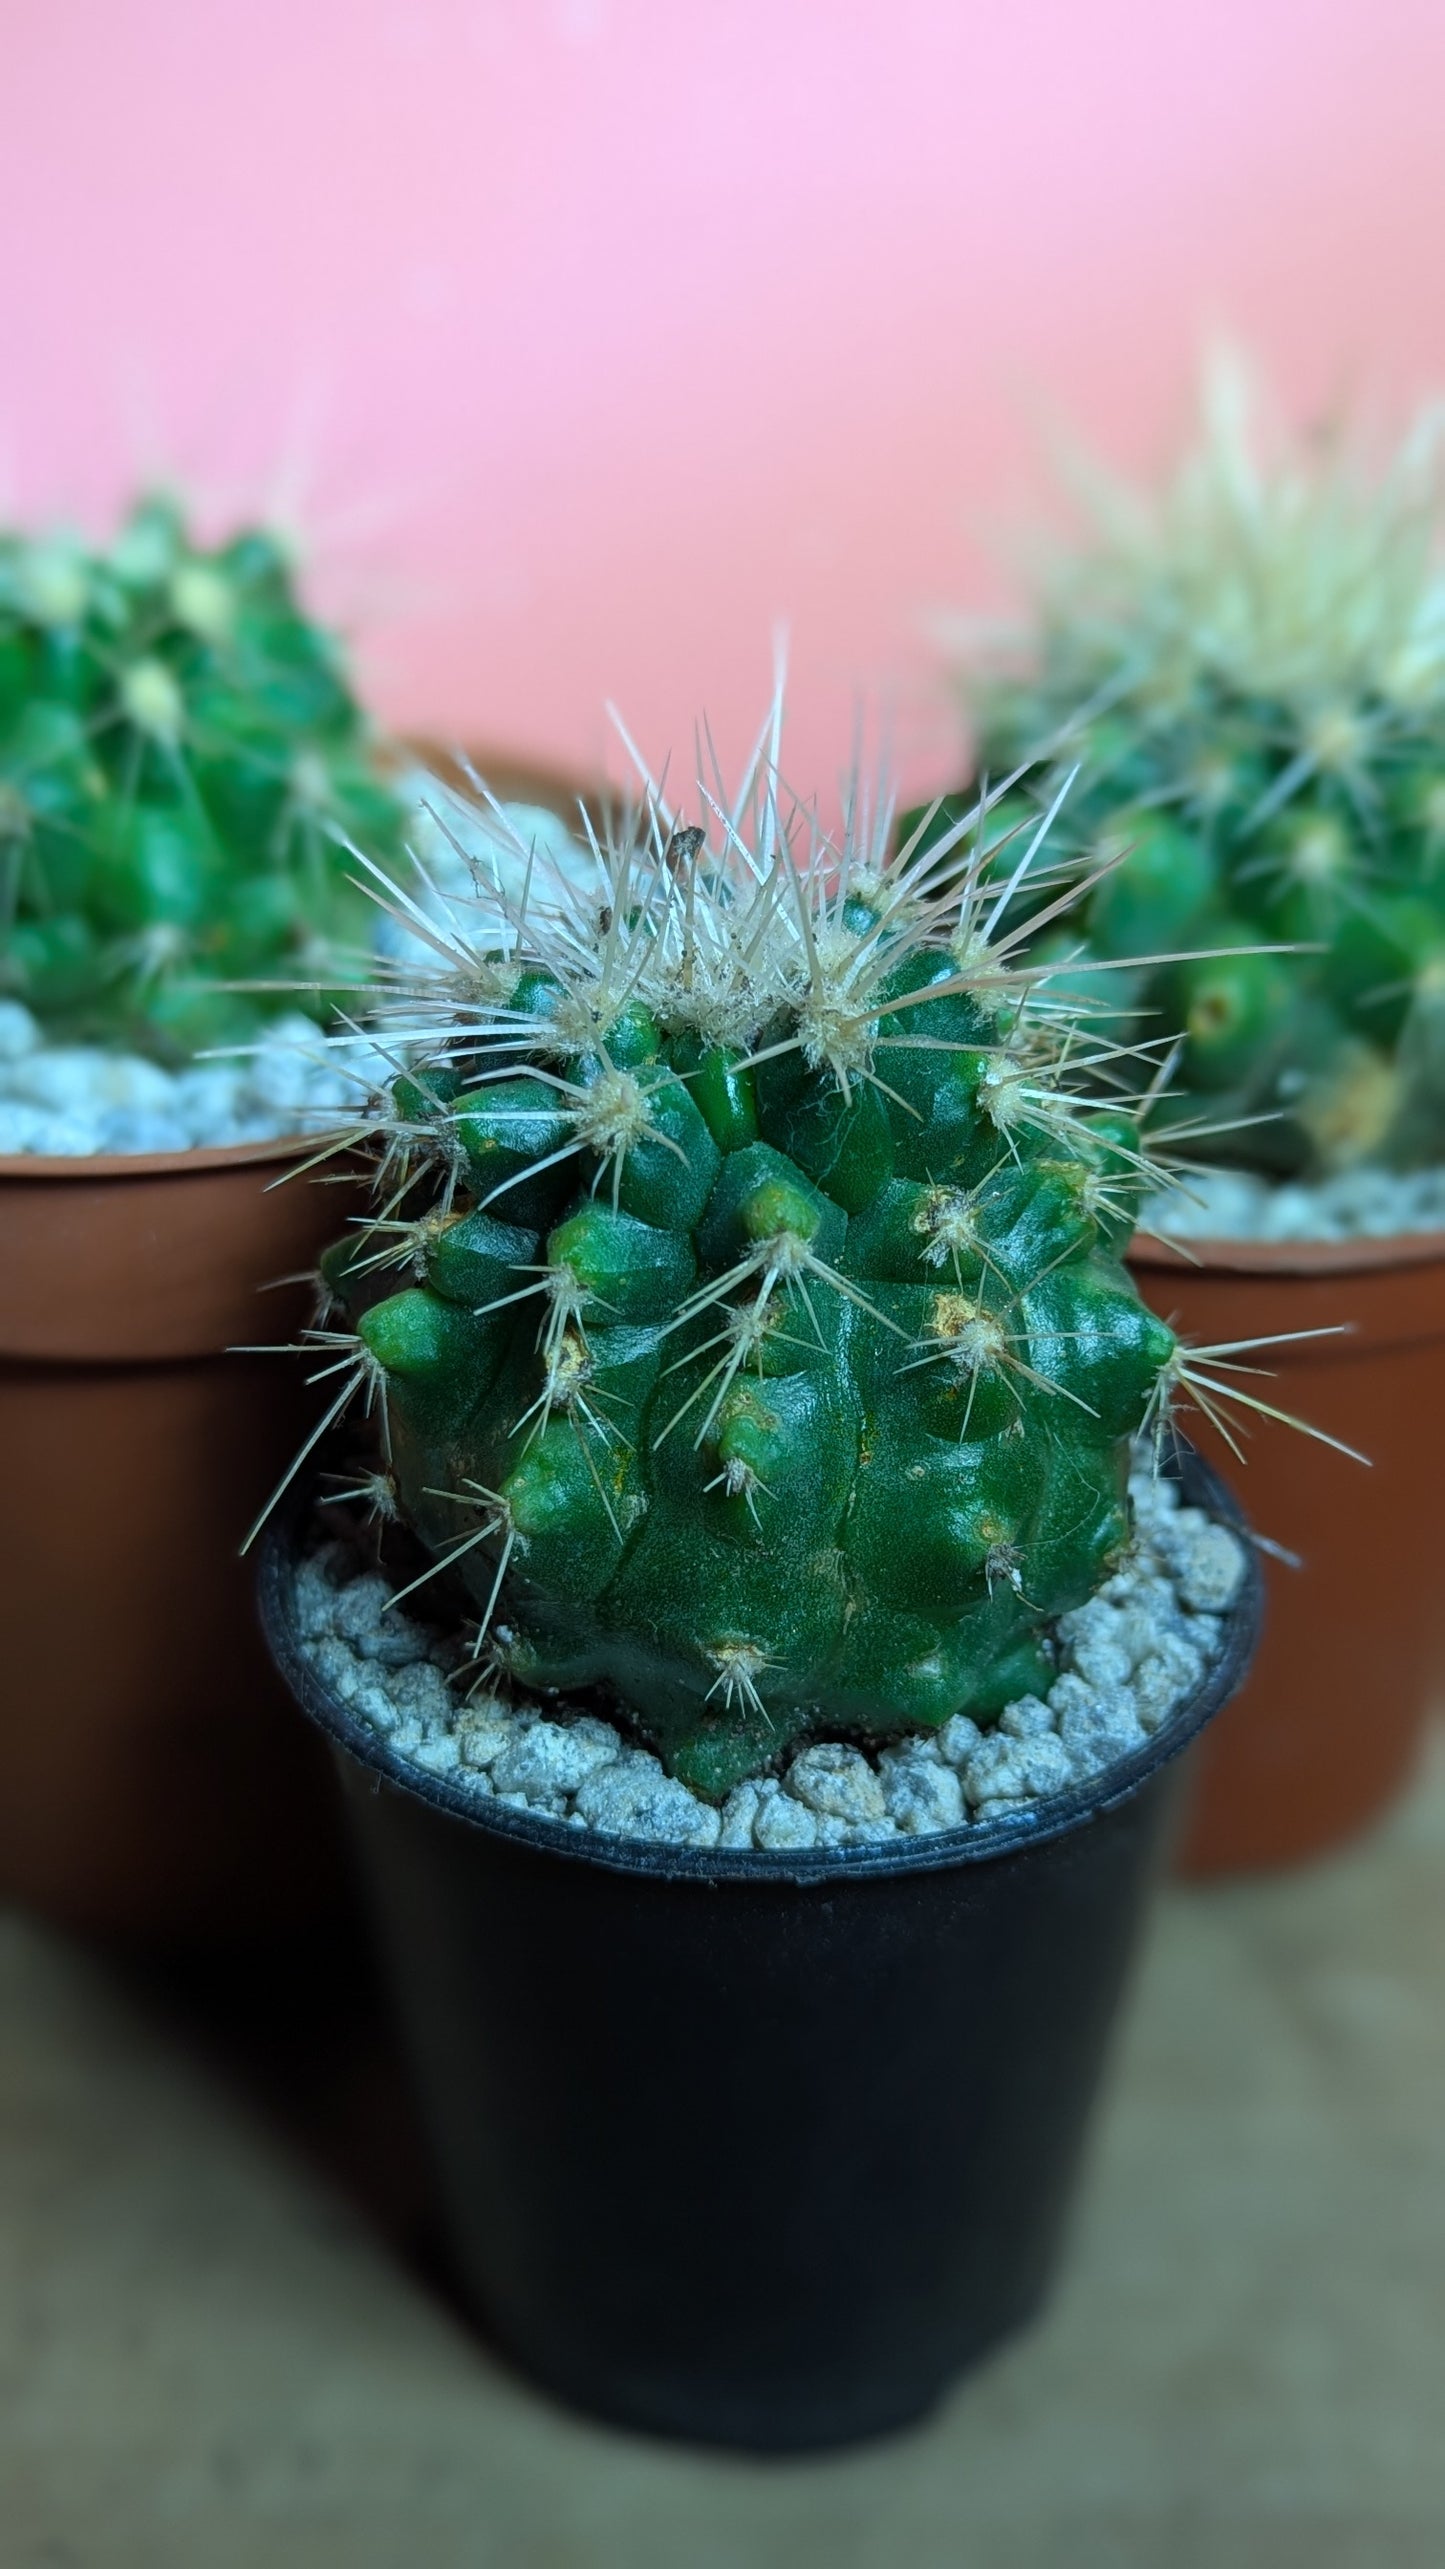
123 1164
1288 1257
442 752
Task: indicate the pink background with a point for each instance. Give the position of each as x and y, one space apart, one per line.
590 337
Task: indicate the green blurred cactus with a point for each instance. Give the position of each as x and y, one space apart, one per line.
1249 673
178 749
764 1358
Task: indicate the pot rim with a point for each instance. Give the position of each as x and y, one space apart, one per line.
977 1843
122 1164
1287 1257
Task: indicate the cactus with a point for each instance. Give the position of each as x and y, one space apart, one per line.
1250 677
744 1304
178 750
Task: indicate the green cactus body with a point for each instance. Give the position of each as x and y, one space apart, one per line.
765 1359
1270 772
180 761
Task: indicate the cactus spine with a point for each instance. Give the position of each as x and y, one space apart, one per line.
179 750
1250 675
744 1302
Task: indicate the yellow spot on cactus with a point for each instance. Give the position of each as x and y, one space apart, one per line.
948 1221
973 1338
1209 1014
1349 1115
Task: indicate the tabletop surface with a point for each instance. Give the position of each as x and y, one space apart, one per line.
220 2340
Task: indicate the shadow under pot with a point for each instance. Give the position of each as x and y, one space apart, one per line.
758 2150
1331 1724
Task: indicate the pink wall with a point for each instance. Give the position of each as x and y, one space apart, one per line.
616 329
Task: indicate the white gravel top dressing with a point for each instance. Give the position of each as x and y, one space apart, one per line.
1127 1659
461 848
1359 1204
68 1101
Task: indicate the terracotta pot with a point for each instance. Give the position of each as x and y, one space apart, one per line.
1327 1729
152 1783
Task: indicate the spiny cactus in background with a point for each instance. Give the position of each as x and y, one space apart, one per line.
764 1359
178 750
1249 673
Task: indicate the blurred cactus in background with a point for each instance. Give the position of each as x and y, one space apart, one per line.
179 749
1249 673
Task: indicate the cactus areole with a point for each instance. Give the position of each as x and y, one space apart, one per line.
762 1361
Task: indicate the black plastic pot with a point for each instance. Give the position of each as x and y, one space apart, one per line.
757 2150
